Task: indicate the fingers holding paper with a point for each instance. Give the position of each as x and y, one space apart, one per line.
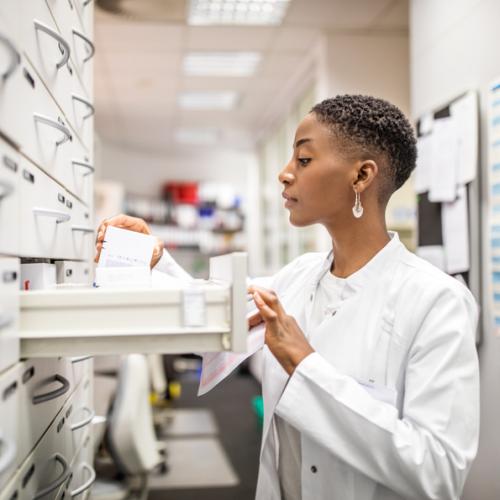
284 337
129 223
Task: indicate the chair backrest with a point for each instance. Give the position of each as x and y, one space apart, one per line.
157 372
131 436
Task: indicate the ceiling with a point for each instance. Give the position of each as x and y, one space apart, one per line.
138 69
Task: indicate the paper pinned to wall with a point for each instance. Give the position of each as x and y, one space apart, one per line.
123 248
433 254
465 114
455 223
423 168
444 154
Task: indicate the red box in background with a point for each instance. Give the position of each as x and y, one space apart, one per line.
181 192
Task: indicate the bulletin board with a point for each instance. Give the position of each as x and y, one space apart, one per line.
448 189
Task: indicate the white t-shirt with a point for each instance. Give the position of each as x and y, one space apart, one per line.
331 291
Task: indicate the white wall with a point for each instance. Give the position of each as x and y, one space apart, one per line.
455 47
144 172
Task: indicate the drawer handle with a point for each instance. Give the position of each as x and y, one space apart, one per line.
87 103
6 320
9 455
88 484
62 42
89 43
83 229
86 2
48 396
15 58
79 359
54 124
85 421
48 212
57 482
6 189
84 164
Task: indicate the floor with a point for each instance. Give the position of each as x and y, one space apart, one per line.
239 436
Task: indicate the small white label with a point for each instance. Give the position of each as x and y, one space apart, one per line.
194 307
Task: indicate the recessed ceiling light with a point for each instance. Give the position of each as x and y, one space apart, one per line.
249 12
221 63
221 100
200 136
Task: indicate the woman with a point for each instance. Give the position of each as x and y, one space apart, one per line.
370 377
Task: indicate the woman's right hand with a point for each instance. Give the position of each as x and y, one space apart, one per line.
131 224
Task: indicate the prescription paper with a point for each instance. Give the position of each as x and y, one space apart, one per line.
123 248
217 366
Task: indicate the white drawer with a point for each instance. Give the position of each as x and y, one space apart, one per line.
9 200
44 216
49 52
47 470
83 473
75 25
9 312
45 384
9 401
82 232
74 272
12 84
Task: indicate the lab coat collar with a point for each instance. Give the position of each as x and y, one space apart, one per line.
370 271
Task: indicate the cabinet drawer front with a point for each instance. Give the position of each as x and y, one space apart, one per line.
9 200
44 216
9 402
82 232
9 312
46 471
45 384
74 272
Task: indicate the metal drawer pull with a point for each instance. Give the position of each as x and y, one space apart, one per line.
15 58
63 44
48 396
87 103
88 484
6 189
83 229
79 359
89 43
85 421
86 2
57 482
49 212
6 320
54 124
9 455
84 164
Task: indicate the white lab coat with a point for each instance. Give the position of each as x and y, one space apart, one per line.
388 405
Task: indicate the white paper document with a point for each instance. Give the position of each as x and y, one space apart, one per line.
433 254
443 178
423 169
218 365
122 248
455 223
465 113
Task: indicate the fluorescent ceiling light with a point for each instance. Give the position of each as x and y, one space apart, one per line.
221 63
249 12
201 136
220 100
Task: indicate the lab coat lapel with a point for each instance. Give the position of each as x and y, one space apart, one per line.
275 376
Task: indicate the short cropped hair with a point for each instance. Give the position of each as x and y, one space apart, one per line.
372 128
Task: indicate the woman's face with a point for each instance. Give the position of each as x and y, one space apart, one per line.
318 181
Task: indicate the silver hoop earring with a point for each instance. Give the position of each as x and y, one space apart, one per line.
357 209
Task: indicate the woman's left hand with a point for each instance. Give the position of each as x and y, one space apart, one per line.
284 337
